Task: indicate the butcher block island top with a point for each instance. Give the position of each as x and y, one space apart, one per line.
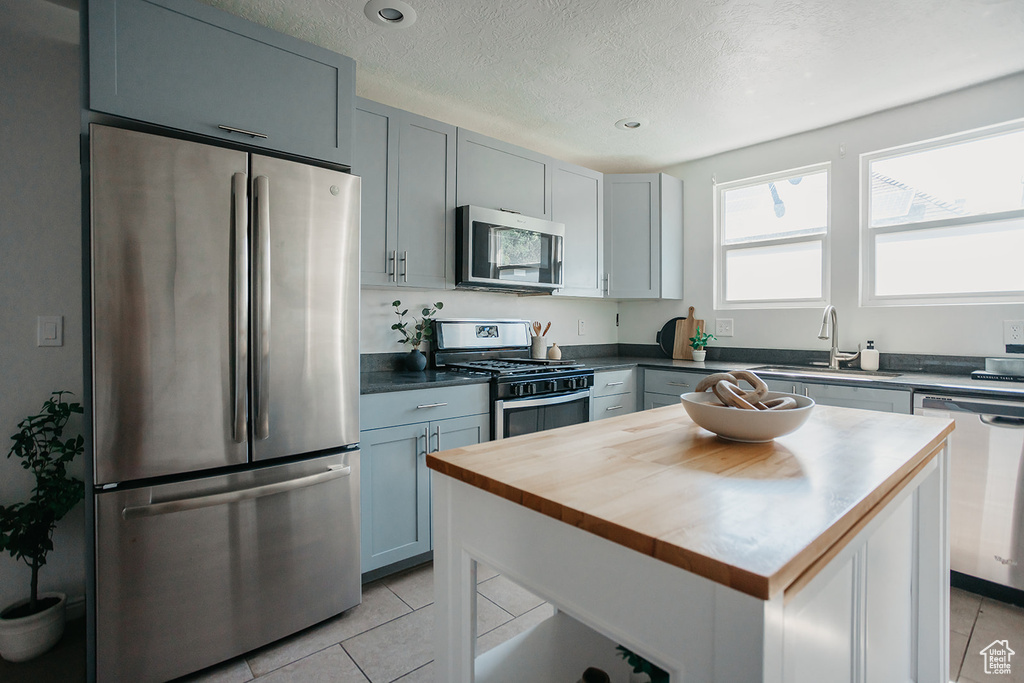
758 518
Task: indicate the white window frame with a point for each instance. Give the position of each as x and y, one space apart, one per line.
867 242
721 250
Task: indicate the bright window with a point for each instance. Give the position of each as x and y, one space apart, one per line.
772 240
943 221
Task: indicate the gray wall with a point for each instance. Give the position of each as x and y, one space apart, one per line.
962 329
40 253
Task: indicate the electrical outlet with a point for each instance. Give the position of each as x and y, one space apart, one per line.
1013 331
723 327
582 327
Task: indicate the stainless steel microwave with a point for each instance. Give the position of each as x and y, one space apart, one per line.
501 250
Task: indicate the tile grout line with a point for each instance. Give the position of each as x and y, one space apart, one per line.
349 655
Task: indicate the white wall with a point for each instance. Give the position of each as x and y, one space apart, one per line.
40 254
953 330
377 314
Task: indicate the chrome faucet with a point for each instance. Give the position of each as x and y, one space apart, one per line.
834 355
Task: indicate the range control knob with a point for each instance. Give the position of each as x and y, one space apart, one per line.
529 388
515 389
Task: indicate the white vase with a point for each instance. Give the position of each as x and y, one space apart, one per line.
699 355
27 637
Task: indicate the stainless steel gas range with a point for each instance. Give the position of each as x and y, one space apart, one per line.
527 395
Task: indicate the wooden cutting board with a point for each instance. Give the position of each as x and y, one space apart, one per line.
674 337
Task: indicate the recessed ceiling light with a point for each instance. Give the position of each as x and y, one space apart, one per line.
631 123
393 13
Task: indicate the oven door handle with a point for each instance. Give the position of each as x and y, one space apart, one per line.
543 400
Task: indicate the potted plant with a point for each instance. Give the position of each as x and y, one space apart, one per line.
698 342
32 626
422 331
642 667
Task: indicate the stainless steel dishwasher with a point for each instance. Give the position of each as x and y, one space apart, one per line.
986 484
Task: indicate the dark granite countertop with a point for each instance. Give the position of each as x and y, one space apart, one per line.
375 382
378 382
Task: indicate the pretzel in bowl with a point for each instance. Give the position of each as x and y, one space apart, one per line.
760 389
726 386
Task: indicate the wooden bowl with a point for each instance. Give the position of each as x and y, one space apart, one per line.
751 426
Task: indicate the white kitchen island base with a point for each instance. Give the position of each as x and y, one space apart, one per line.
873 607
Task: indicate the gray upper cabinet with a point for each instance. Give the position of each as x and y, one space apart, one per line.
577 196
188 66
643 234
407 163
497 175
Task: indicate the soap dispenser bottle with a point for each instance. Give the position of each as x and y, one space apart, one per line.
869 358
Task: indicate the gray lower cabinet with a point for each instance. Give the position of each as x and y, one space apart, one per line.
663 387
185 65
577 201
643 234
614 393
394 479
844 396
407 163
499 175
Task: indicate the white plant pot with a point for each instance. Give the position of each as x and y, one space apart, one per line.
699 355
28 637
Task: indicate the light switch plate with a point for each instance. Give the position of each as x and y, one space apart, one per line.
50 330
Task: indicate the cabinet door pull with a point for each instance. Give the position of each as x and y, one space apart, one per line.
243 132
613 408
426 440
431 405
614 384
437 433
390 267
805 392
677 384
405 266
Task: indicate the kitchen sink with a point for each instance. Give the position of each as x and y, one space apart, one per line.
821 372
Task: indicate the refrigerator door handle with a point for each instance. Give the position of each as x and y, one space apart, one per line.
261 276
239 187
227 497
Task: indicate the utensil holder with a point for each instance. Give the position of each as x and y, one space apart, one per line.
539 348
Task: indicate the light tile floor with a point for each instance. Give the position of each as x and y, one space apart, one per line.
389 638
976 622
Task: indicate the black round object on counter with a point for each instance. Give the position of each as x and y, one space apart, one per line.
667 336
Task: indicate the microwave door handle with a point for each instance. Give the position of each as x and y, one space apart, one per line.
261 379
239 187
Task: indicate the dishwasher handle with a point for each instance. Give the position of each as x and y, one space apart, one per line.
226 497
1003 421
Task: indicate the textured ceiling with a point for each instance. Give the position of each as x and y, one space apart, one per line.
709 75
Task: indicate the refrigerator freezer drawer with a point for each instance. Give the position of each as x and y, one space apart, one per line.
192 573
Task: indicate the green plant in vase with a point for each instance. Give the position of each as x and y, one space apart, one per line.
26 528
415 332
642 666
698 341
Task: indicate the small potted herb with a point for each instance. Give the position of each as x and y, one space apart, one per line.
698 342
32 626
641 667
415 333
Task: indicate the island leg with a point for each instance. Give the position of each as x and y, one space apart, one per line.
454 595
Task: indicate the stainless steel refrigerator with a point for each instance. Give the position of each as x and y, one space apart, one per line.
225 314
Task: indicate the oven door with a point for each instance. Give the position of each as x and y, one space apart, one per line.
517 416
